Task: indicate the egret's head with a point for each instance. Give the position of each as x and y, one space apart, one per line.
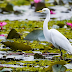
44 10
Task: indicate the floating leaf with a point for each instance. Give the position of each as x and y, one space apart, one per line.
38 56
39 6
9 7
35 35
58 62
16 46
13 34
58 68
60 25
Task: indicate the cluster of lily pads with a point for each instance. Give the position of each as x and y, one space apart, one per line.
25 27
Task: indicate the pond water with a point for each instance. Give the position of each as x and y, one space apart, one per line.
65 1
28 13
62 13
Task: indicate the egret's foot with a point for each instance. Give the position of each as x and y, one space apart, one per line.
61 57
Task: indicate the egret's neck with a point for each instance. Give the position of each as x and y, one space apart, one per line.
45 25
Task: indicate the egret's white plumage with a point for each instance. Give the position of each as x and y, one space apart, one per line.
54 36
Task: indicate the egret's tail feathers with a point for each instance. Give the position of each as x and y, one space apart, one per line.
70 51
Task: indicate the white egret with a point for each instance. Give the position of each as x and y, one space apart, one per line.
54 36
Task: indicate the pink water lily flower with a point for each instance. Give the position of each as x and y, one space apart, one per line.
51 12
2 35
36 1
70 24
2 24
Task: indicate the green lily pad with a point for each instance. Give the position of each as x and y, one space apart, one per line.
9 7
38 56
35 35
58 68
16 46
60 25
58 62
13 34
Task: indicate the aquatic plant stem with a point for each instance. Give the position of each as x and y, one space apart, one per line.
1 28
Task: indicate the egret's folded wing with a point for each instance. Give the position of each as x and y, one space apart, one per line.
60 40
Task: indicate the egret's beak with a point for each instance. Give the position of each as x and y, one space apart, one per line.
39 11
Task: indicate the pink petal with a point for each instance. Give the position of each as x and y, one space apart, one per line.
51 12
36 1
2 23
69 24
1 35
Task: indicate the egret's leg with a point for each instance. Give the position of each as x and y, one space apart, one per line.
61 54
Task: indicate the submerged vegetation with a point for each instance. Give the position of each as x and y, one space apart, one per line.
23 28
15 32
